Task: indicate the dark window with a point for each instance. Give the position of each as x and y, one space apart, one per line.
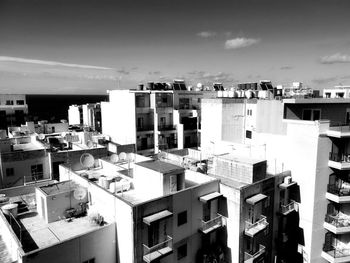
91 260
10 172
20 102
316 115
307 115
181 218
182 251
248 134
9 102
37 172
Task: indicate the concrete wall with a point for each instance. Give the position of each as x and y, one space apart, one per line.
118 117
98 244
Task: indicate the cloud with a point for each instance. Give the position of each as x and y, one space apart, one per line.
240 42
123 71
156 72
48 63
286 67
206 34
209 77
335 58
324 80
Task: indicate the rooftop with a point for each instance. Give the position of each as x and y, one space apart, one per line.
240 159
160 166
315 101
61 187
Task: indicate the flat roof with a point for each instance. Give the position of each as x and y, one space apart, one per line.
42 234
208 197
27 147
240 159
256 199
316 101
160 166
157 216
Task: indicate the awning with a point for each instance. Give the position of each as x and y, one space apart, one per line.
256 199
157 216
209 197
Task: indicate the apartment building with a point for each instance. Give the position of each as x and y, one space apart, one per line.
86 115
13 110
338 92
291 134
160 117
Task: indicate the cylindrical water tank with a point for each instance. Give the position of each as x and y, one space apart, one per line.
112 187
10 209
248 94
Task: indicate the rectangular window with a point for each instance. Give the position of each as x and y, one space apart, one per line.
91 260
181 218
10 172
20 102
182 251
311 114
37 172
9 102
248 134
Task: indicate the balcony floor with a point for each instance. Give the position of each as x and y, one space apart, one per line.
211 229
332 259
339 165
155 255
338 199
254 230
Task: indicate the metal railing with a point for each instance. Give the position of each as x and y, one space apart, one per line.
336 252
147 147
261 223
145 128
166 127
339 157
218 221
250 257
292 206
147 251
336 221
336 190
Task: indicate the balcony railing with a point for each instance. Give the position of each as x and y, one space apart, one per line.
292 206
145 128
335 252
253 228
166 127
339 157
249 258
146 147
337 221
339 191
166 146
215 223
157 251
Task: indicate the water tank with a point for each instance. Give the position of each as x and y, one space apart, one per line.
140 86
231 93
10 209
112 187
150 85
3 199
225 93
220 93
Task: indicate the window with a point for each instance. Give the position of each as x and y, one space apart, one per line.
10 172
181 218
20 102
248 134
184 103
267 202
182 251
328 94
311 114
91 260
37 172
250 112
9 102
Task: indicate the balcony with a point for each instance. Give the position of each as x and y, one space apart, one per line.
158 251
337 224
166 127
165 146
249 258
336 255
340 161
145 128
338 194
145 147
251 229
213 224
339 131
292 206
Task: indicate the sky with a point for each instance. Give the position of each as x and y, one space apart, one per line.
85 46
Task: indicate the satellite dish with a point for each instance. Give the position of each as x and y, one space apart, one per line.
161 155
87 160
114 158
130 157
41 136
122 156
90 144
79 193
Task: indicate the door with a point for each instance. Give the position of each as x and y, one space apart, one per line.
144 143
162 121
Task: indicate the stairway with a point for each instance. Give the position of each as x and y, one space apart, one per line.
4 254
